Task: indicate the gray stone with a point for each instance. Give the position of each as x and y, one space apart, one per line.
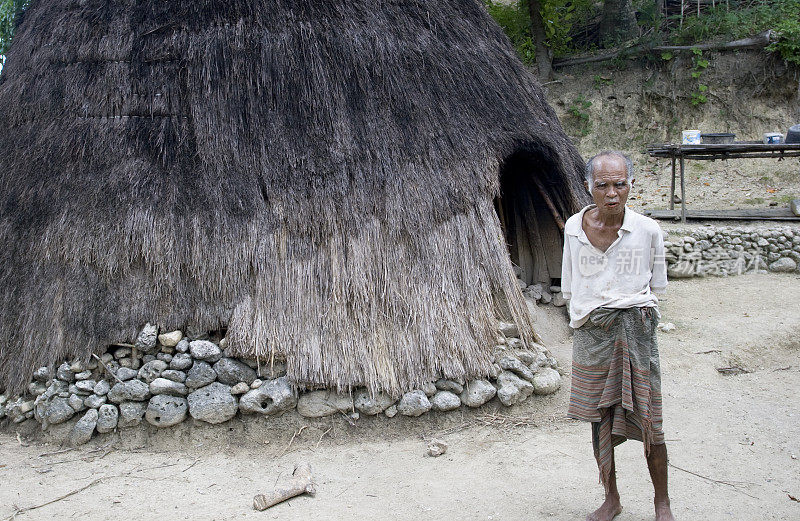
240 388
317 404
122 352
182 346
681 270
58 411
175 376
76 402
77 366
102 387
86 385
205 351
559 300
126 373
413 403
130 391
165 410
200 375
449 385
534 291
64 373
436 448
783 265
546 381
131 414
256 383
547 297
509 329
526 357
83 375
429 389
371 405
181 361
231 371
269 398
391 412
36 388
147 339
164 386
445 401
213 403
94 401
73 389
82 431
107 418
152 370
164 357
42 374
477 392
511 389
170 339
511 363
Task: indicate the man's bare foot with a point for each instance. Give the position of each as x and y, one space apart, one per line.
610 508
663 511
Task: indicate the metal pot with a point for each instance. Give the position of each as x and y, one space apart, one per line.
793 135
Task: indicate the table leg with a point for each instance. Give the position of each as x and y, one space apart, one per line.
672 187
683 194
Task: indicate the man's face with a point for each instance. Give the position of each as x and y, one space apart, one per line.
610 186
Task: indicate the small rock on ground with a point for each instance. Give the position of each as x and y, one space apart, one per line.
414 403
82 431
436 448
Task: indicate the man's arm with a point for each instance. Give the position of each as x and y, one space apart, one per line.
658 264
566 270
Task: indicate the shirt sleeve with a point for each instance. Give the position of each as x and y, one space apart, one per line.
658 264
566 270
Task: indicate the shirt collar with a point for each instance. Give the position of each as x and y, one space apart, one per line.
575 227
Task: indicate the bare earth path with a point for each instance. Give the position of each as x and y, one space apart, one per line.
740 433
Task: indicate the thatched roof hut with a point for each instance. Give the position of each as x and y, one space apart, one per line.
318 177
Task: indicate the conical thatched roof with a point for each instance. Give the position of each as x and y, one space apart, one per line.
316 176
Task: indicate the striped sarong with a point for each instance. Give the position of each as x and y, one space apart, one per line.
616 381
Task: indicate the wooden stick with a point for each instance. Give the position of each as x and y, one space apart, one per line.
302 482
106 368
549 202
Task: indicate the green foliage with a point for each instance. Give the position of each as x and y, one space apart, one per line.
601 81
579 116
743 20
9 10
558 15
699 65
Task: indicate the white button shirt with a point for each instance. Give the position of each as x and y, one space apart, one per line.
626 275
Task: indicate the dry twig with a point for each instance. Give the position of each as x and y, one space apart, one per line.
99 361
733 484
322 436
292 440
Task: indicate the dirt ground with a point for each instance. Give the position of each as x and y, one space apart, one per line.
733 442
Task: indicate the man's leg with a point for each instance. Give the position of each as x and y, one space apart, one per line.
611 506
657 464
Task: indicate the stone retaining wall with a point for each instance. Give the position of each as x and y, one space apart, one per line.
731 250
165 379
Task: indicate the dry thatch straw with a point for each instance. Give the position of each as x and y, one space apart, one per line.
316 176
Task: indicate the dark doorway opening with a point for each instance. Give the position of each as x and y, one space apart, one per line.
532 224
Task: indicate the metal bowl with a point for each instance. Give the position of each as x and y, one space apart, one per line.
717 138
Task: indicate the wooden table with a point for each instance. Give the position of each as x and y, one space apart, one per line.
738 150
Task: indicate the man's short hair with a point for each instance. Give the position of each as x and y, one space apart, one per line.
604 153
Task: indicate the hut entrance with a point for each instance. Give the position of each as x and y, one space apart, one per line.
532 225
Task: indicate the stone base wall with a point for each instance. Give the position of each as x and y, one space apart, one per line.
165 379
731 250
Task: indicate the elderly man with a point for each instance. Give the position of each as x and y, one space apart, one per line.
613 264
